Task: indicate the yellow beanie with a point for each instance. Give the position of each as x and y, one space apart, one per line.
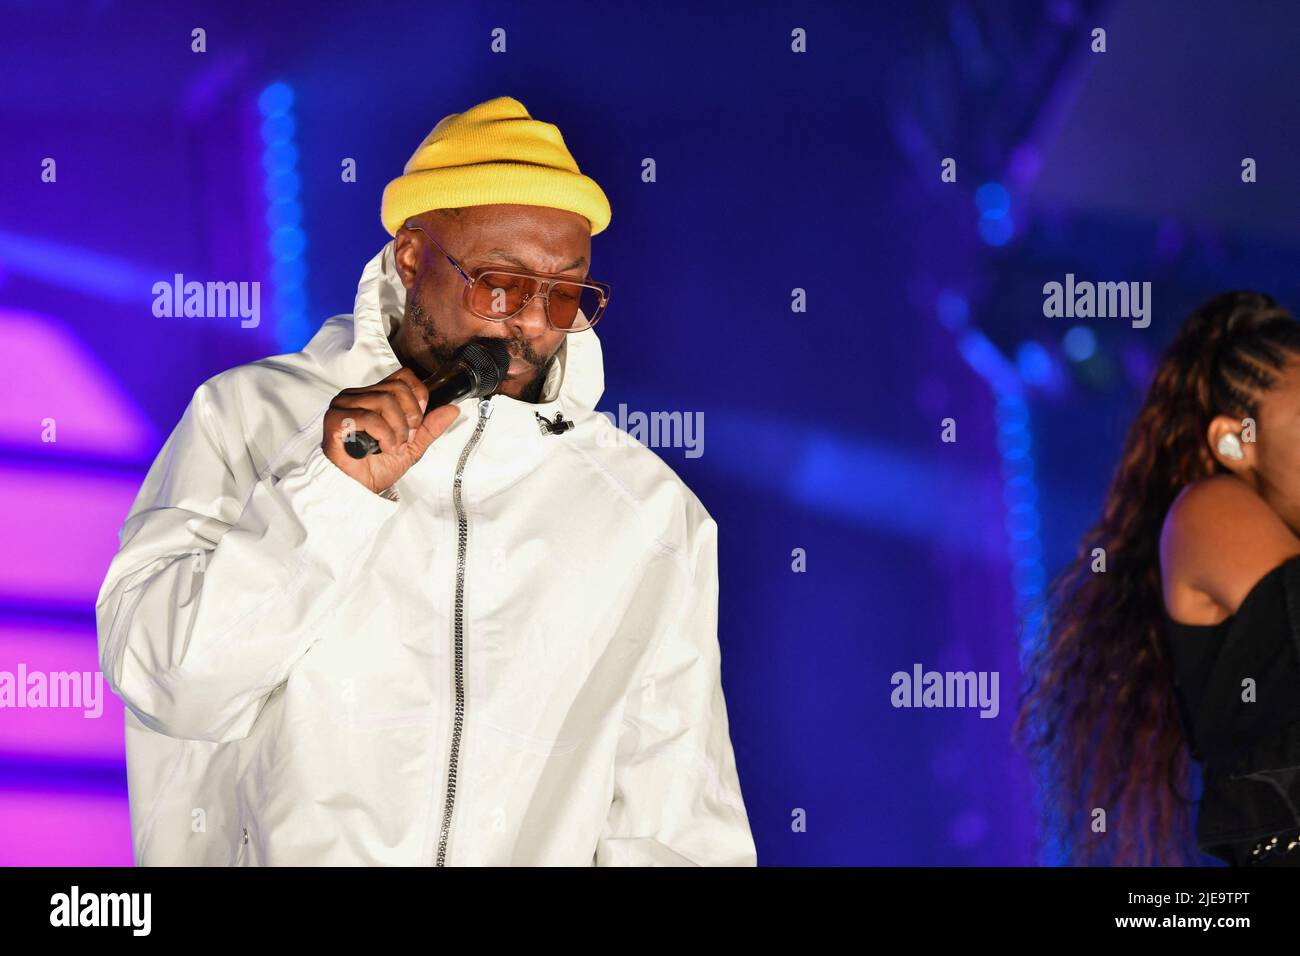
492 153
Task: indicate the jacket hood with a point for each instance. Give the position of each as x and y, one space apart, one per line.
356 347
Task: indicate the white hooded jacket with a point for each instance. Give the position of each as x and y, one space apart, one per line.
309 680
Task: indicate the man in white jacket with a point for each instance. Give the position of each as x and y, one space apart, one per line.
492 643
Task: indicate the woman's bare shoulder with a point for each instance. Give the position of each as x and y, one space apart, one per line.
1219 538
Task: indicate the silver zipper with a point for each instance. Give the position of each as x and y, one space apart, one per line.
462 542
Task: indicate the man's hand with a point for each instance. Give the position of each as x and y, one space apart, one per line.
391 412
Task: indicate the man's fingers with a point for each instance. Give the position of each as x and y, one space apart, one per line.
368 421
405 376
387 406
405 397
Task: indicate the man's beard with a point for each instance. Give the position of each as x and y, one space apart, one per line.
443 349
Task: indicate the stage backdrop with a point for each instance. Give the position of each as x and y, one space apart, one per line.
832 224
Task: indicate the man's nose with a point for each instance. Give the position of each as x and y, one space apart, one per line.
531 319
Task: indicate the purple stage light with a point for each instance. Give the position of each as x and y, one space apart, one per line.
51 377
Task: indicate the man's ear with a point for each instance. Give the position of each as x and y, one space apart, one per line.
1232 446
408 252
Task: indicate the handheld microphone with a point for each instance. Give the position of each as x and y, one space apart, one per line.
475 370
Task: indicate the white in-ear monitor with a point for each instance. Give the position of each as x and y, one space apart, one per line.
1230 446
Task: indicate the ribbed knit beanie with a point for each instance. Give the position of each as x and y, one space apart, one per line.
492 153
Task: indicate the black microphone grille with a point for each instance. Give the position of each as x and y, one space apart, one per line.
489 362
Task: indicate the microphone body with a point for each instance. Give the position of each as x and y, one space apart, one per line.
475 370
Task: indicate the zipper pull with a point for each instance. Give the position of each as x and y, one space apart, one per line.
485 407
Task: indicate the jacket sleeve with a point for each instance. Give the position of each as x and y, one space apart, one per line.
220 580
677 798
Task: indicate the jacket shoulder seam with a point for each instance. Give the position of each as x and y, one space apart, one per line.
675 552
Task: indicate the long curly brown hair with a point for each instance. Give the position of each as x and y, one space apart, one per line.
1098 715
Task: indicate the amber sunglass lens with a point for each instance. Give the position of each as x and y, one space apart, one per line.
573 305
500 295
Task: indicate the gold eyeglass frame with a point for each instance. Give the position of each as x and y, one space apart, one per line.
547 280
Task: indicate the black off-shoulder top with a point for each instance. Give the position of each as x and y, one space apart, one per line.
1249 751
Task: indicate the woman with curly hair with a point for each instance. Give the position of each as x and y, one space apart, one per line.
1185 643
